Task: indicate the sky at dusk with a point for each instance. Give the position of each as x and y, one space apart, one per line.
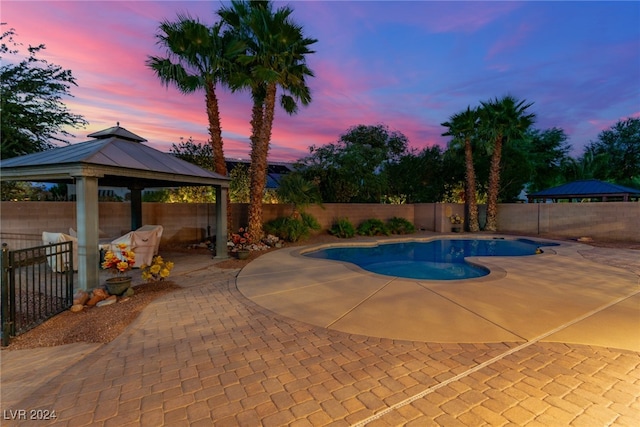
408 65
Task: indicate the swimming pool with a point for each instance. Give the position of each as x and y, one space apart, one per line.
442 259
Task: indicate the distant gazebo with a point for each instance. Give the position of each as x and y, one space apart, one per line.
591 190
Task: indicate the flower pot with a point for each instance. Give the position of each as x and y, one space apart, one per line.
118 285
456 229
243 254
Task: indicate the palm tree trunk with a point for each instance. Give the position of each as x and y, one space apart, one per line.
215 135
259 155
470 198
215 130
494 186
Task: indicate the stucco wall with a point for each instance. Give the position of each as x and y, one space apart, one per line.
610 221
22 223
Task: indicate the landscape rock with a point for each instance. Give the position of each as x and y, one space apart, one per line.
99 292
97 296
111 300
80 298
128 293
75 308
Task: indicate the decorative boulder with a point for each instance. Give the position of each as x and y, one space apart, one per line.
97 296
75 308
111 300
81 297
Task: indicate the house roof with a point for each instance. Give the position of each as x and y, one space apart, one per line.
117 157
275 171
585 188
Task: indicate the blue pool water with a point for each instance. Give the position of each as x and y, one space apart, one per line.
437 260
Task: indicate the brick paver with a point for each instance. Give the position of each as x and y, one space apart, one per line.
206 355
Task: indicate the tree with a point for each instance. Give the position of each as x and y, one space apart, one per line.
354 169
240 185
501 121
547 151
200 155
197 57
462 127
32 112
621 146
417 177
197 154
299 192
275 58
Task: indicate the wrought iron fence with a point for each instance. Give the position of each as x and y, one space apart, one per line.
37 283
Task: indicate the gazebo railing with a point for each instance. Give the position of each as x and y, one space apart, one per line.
37 284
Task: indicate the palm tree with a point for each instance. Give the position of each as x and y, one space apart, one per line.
589 166
197 57
463 127
295 189
501 121
275 57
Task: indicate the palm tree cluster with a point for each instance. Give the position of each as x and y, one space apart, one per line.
253 47
490 126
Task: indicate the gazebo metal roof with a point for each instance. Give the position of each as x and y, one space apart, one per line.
586 189
116 158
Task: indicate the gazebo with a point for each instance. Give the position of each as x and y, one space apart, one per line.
592 189
114 158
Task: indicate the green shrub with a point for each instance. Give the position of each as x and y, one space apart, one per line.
373 227
310 221
400 226
295 230
343 228
291 229
275 226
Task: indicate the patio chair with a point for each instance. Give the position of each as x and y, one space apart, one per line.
60 262
144 242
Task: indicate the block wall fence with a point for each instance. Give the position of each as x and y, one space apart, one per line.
22 223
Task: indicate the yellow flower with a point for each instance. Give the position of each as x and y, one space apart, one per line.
123 266
158 270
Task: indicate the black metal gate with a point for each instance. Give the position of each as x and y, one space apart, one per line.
37 283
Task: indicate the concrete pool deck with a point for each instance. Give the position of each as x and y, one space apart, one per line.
557 296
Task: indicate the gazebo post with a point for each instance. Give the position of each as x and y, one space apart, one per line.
136 207
87 223
221 222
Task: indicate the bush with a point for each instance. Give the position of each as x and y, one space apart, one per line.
276 226
310 221
400 226
373 227
291 229
343 228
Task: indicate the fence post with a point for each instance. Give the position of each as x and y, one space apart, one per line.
5 317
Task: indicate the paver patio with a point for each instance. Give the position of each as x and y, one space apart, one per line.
208 355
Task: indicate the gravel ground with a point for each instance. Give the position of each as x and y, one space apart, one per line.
103 324
93 324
